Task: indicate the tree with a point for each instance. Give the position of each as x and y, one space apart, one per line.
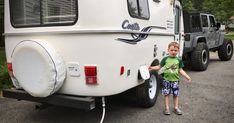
222 9
187 5
198 4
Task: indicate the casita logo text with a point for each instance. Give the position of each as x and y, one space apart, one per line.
127 25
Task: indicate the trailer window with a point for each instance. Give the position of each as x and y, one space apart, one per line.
28 13
139 9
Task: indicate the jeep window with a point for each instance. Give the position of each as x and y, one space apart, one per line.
139 9
196 25
29 13
212 21
204 21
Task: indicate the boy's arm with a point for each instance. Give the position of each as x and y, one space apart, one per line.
157 67
185 75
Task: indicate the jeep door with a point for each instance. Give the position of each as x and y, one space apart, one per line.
214 32
207 31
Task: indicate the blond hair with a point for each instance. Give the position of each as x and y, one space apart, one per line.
175 44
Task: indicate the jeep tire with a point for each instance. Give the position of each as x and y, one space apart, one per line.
147 92
225 51
200 57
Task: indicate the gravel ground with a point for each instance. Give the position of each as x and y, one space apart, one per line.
209 98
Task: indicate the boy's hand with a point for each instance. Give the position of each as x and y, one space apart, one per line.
185 75
188 79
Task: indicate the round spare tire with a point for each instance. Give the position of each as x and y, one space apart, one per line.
38 68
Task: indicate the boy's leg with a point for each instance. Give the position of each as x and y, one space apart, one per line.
176 108
166 93
166 88
175 91
176 102
166 102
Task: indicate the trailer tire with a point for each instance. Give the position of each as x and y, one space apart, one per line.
225 51
200 57
147 92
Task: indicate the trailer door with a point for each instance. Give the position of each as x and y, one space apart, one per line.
179 27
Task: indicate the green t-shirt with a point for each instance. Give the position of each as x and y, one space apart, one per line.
171 66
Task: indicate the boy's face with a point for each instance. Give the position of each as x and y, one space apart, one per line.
173 51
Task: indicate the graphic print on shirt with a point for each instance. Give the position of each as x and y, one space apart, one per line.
171 68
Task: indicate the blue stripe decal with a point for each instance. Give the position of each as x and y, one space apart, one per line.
139 37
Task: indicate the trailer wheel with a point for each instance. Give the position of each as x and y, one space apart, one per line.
200 57
225 51
147 92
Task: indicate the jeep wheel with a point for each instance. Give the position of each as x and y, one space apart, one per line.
225 51
200 57
147 92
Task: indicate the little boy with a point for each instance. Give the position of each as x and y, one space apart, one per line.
172 67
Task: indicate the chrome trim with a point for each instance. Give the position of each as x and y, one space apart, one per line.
87 32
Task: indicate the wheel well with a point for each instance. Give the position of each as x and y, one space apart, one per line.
154 63
200 40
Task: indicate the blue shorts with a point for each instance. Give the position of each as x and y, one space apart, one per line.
170 88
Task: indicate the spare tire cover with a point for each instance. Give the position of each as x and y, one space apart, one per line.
38 68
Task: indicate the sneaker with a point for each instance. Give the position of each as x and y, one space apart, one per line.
167 112
178 111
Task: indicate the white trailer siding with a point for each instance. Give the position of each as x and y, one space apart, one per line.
95 39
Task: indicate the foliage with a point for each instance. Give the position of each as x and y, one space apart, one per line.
5 81
230 35
222 9
198 4
2 55
187 5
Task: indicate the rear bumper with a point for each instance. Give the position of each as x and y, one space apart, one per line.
86 103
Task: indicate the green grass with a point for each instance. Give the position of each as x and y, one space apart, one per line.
230 35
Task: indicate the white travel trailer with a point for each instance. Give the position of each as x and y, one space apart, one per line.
69 52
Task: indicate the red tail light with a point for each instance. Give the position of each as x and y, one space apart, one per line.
91 74
122 70
9 66
10 69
